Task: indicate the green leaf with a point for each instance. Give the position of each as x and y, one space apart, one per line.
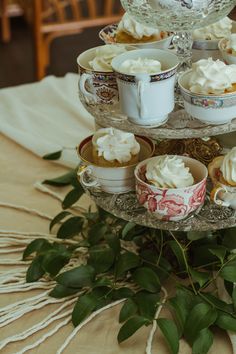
203 342
53 156
58 218
83 308
128 227
61 291
71 198
128 310
147 303
125 262
147 279
226 322
229 238
78 277
228 272
71 227
219 304
130 327
197 235
200 317
170 333
63 180
34 246
35 270
178 253
199 277
181 305
101 282
97 233
219 252
122 293
113 242
101 258
54 261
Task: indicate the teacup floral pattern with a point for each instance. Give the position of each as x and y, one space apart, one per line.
169 204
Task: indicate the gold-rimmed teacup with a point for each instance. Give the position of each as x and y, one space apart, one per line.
112 180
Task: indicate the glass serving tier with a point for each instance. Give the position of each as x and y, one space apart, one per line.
179 125
126 206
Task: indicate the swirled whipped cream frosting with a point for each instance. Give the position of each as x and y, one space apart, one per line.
135 29
231 44
211 77
168 172
217 30
104 55
114 144
228 167
140 65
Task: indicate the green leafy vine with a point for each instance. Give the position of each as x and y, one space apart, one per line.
122 260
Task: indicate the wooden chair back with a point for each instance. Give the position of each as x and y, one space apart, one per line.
53 18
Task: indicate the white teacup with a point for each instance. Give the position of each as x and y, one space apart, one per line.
147 99
222 194
110 179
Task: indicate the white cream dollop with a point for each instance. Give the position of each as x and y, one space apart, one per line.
104 55
228 167
217 30
135 29
114 144
168 172
211 77
140 65
231 44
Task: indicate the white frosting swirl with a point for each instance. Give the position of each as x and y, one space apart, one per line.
168 172
113 144
217 30
135 29
231 44
228 167
140 65
104 56
211 77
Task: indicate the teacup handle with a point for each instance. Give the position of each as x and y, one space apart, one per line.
91 97
87 170
143 81
214 196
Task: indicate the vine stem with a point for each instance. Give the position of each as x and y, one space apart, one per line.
185 262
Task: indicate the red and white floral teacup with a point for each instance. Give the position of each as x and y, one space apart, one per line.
172 204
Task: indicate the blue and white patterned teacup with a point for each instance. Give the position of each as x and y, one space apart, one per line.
210 109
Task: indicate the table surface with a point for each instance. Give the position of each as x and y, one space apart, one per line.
20 169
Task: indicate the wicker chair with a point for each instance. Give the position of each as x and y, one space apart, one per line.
53 18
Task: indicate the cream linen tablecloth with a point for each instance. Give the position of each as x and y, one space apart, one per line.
19 170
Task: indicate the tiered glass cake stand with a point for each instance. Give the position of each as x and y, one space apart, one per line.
179 125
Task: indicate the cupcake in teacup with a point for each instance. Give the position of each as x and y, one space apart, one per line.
170 186
209 91
222 171
227 47
130 31
109 157
206 39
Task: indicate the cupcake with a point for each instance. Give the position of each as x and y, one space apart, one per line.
104 55
114 148
168 171
131 31
212 77
223 169
215 31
